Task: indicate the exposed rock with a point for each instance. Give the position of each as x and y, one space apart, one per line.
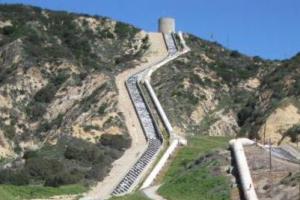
280 120
5 23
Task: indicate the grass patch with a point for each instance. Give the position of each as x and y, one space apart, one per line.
183 182
133 196
11 192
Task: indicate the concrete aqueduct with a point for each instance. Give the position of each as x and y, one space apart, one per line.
151 131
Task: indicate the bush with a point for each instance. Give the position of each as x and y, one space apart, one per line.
46 94
72 152
102 108
14 177
87 128
64 178
244 114
98 172
41 168
125 30
35 110
44 127
115 141
9 131
8 30
293 132
90 154
30 154
59 79
235 54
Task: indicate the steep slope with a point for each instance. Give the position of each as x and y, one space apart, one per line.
215 91
58 96
157 51
275 108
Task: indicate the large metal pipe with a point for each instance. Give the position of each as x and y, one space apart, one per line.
175 139
243 169
159 108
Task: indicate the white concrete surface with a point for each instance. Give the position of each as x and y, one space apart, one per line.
243 168
159 108
160 164
175 139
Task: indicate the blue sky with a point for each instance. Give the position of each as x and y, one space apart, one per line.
268 28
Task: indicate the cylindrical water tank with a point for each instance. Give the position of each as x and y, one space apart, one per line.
166 25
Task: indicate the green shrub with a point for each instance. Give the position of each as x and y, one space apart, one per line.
115 141
18 177
46 94
102 108
89 154
35 110
244 114
124 30
44 127
235 54
30 154
40 168
98 172
59 79
293 132
64 178
8 30
9 131
87 128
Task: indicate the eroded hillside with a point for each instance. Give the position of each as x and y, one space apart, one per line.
215 91
59 120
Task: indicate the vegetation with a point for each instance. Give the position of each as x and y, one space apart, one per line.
68 162
293 133
125 31
102 108
213 81
11 192
134 196
43 52
192 175
77 44
9 131
44 96
52 39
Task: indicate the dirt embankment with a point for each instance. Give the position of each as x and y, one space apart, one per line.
276 179
280 120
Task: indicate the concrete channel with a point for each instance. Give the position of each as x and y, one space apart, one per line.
151 131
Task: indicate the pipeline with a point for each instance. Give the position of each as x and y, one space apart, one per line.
243 168
175 140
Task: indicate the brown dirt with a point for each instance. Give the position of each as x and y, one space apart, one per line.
268 184
283 118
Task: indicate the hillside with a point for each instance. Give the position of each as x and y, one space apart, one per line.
215 91
60 123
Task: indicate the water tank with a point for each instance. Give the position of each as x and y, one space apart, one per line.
166 25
